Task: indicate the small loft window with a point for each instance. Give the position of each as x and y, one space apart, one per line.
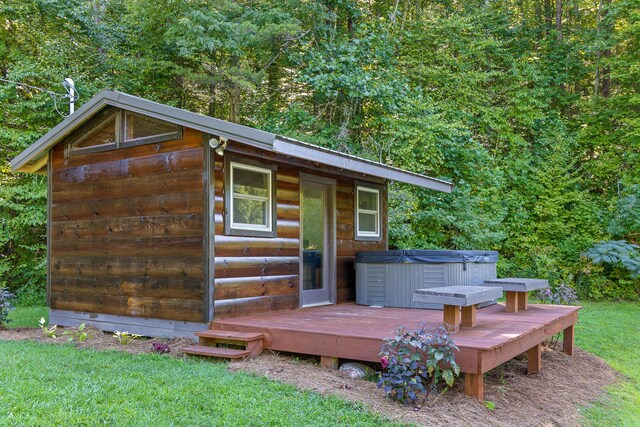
250 200
111 129
140 130
101 135
367 213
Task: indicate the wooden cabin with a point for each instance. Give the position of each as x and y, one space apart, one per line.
161 220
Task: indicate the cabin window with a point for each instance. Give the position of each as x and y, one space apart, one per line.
111 129
100 136
138 130
250 205
367 213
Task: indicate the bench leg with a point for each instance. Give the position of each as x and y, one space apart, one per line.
567 340
474 386
452 316
469 316
512 301
534 359
329 362
523 300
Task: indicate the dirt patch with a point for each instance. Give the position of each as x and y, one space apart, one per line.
551 398
99 340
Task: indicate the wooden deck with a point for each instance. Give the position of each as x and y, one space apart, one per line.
356 332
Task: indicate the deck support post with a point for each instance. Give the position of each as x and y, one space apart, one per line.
512 301
452 316
567 340
523 300
329 362
534 359
474 385
469 316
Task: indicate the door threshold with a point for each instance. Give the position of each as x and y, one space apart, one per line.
318 304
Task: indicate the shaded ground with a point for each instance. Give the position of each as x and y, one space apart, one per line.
551 398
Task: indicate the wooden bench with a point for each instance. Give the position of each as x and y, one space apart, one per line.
517 290
459 302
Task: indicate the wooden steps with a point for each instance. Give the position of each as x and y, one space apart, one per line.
226 344
220 352
229 335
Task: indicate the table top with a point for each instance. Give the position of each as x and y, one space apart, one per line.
518 284
457 295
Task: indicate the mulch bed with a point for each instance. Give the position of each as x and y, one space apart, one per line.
551 398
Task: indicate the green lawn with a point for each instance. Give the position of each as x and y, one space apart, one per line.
612 331
27 316
47 384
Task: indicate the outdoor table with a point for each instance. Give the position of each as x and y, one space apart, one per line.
517 290
459 302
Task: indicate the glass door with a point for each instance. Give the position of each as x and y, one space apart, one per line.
316 240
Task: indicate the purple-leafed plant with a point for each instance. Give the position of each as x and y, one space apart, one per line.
561 294
5 305
160 347
414 362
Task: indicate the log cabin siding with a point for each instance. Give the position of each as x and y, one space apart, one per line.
261 274
127 230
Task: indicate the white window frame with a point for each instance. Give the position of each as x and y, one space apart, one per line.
268 228
368 234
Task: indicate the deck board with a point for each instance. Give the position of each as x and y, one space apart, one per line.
356 332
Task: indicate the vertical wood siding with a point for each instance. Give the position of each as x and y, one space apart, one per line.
127 230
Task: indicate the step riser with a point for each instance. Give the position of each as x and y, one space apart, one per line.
222 353
232 335
251 343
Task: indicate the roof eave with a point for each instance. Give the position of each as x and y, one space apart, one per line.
26 160
313 153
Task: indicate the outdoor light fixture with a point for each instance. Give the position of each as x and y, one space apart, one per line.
218 144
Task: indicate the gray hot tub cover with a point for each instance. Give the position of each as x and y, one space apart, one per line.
426 256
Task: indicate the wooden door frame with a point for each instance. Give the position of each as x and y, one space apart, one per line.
331 267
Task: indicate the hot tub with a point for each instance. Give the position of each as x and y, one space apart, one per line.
388 278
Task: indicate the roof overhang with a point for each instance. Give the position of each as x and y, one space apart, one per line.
35 157
31 158
356 164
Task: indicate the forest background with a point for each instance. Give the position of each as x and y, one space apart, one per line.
531 107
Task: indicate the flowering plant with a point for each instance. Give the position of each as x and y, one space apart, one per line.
414 362
50 331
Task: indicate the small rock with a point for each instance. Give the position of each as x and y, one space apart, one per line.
355 370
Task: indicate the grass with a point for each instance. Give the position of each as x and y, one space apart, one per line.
95 388
27 316
612 331
47 384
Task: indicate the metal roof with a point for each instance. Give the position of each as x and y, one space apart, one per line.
34 158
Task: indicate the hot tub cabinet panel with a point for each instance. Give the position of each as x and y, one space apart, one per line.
388 278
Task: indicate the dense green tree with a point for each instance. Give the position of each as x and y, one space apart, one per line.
531 107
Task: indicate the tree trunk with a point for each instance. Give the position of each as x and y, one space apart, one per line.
602 80
548 20
98 10
559 19
212 100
